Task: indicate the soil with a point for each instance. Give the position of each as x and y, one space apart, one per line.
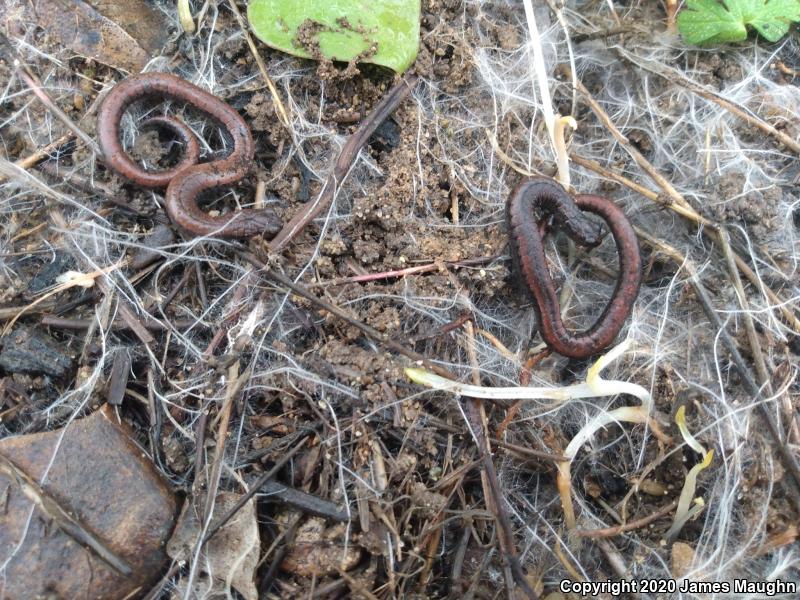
427 190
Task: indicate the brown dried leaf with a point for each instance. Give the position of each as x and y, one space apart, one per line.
119 33
428 502
682 559
97 473
230 557
320 551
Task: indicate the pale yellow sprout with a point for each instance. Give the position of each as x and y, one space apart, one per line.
685 510
594 387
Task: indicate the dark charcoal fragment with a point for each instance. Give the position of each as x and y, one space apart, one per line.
26 350
386 137
120 372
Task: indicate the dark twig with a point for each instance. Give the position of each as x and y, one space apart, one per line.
494 497
618 529
347 157
528 452
200 444
476 576
156 418
81 324
201 285
458 559
120 372
277 559
329 588
12 312
256 487
174 291
307 503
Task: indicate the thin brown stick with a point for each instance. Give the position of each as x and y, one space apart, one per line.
307 503
675 76
276 98
43 153
347 157
619 529
529 452
750 328
81 324
36 86
427 268
596 167
12 312
637 156
495 501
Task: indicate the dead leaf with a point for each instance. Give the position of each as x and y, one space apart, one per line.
101 479
427 501
682 559
653 488
230 557
320 551
138 18
123 34
779 539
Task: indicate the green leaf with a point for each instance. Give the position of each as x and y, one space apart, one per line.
707 21
383 32
710 22
773 19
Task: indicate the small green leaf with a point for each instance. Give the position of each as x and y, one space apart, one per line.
710 22
774 18
383 32
707 21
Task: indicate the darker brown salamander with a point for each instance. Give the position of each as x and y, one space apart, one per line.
528 204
